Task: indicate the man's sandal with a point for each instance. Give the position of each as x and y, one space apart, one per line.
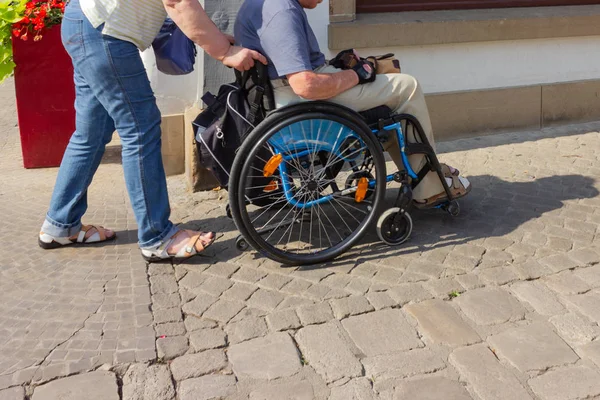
449 171
459 187
88 234
189 249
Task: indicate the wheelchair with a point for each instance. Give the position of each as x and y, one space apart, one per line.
322 167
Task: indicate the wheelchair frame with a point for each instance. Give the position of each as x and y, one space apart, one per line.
392 220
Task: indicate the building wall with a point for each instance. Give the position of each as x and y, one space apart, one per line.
485 65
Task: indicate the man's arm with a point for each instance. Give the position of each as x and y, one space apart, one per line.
314 86
191 18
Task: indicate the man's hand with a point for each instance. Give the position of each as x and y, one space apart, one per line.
365 71
241 58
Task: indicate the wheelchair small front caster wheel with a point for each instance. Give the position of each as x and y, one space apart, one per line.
453 208
241 244
228 211
393 227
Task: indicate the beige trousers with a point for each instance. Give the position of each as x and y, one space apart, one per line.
400 92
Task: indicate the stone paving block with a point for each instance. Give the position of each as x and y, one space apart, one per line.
461 262
193 323
498 275
198 364
439 322
431 388
350 306
488 379
559 262
294 302
442 287
365 270
356 389
162 300
163 284
192 280
239 291
532 347
301 390
315 314
388 275
560 244
498 243
170 347
223 310
167 315
531 269
265 299
388 332
283 320
585 256
495 258
591 351
97 385
317 292
489 306
325 350
248 275
245 329
199 305
358 286
588 304
206 339
170 329
566 283
215 285
407 292
14 393
402 365
296 286
273 281
270 357
570 383
144 382
222 269
380 300
538 296
207 387
575 329
336 294
469 281
590 275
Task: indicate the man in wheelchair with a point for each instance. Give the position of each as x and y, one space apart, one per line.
279 29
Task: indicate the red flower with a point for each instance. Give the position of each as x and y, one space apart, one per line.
30 5
16 32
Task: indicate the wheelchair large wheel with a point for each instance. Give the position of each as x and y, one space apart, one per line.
310 155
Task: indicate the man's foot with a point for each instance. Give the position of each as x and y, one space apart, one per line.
182 245
87 234
459 187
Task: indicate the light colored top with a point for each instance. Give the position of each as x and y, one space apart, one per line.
135 21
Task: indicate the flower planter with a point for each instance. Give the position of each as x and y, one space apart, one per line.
45 95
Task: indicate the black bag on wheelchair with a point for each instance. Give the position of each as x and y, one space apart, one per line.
221 128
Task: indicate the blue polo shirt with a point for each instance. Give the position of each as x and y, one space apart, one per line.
279 29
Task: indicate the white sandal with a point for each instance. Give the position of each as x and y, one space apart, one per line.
161 253
47 241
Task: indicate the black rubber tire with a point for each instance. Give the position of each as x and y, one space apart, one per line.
273 124
389 234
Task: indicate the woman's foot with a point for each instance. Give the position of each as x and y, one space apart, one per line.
181 246
87 234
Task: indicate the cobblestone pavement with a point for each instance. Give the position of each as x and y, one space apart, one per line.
502 302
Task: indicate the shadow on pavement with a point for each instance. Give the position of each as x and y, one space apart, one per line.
493 208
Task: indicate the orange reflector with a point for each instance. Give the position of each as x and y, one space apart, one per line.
272 165
271 186
361 192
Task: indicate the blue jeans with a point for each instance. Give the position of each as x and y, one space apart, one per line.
112 92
